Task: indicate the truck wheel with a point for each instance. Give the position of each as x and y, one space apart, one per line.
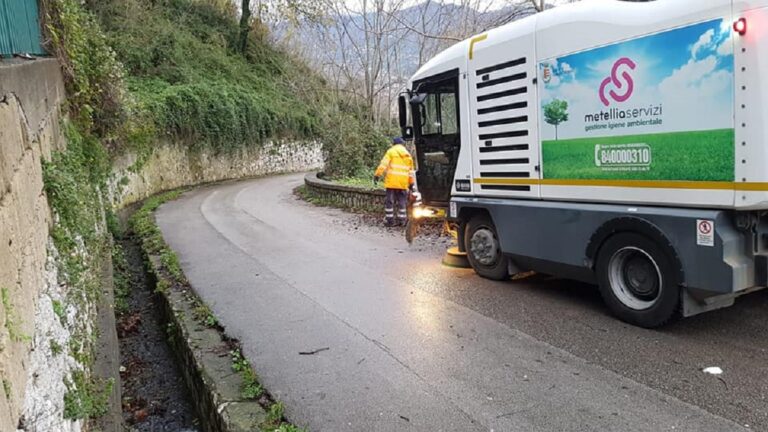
638 280
484 249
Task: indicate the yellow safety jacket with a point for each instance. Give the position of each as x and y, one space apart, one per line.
398 164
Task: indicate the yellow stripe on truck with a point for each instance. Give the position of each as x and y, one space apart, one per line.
472 43
648 184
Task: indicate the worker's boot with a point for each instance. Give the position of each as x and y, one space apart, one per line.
389 222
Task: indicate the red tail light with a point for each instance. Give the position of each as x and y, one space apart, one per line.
740 26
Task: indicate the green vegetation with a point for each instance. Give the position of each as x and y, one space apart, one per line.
250 389
60 311
203 313
92 73
7 389
275 416
73 181
363 179
86 398
275 413
171 263
287 427
352 145
56 347
162 286
186 74
113 224
691 156
143 70
121 277
143 224
12 320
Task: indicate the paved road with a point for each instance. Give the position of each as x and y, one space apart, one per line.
418 346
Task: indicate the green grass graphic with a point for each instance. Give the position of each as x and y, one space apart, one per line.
685 156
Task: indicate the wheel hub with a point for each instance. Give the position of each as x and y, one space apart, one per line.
484 247
640 277
635 278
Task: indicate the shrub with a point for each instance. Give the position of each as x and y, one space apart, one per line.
351 144
92 74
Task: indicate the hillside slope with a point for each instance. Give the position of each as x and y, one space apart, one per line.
182 71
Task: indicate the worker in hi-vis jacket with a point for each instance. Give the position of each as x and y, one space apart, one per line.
399 179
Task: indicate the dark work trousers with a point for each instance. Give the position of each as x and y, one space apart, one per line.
396 202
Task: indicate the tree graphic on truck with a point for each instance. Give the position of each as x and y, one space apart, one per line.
555 113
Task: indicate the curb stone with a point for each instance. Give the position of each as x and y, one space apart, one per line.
205 360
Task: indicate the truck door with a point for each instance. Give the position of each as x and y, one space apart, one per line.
503 110
437 135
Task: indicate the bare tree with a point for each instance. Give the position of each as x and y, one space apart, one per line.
245 25
367 49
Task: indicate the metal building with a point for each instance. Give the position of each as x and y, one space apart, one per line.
19 28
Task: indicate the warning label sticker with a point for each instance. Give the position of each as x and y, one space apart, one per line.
705 232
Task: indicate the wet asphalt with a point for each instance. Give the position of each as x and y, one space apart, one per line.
414 345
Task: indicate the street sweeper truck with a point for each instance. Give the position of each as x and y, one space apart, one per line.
622 143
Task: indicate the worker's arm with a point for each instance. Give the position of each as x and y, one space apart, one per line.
383 165
411 173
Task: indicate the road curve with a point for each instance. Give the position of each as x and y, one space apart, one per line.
413 345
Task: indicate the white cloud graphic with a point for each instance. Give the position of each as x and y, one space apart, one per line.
725 48
704 42
691 73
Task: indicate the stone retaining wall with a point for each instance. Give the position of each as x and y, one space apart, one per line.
334 194
32 377
174 165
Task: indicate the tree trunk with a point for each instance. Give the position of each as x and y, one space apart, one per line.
245 26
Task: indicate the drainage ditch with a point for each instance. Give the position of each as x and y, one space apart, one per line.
155 397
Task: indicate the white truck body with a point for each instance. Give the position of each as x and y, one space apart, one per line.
569 131
604 27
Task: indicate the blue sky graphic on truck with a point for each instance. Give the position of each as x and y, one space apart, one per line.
658 107
682 77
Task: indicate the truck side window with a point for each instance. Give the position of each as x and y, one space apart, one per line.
448 117
431 114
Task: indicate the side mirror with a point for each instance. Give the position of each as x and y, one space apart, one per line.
402 106
419 98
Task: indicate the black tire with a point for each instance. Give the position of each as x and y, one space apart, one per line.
490 264
639 280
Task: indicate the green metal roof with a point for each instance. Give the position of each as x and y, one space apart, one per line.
19 27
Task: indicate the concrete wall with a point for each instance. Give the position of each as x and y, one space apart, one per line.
30 96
